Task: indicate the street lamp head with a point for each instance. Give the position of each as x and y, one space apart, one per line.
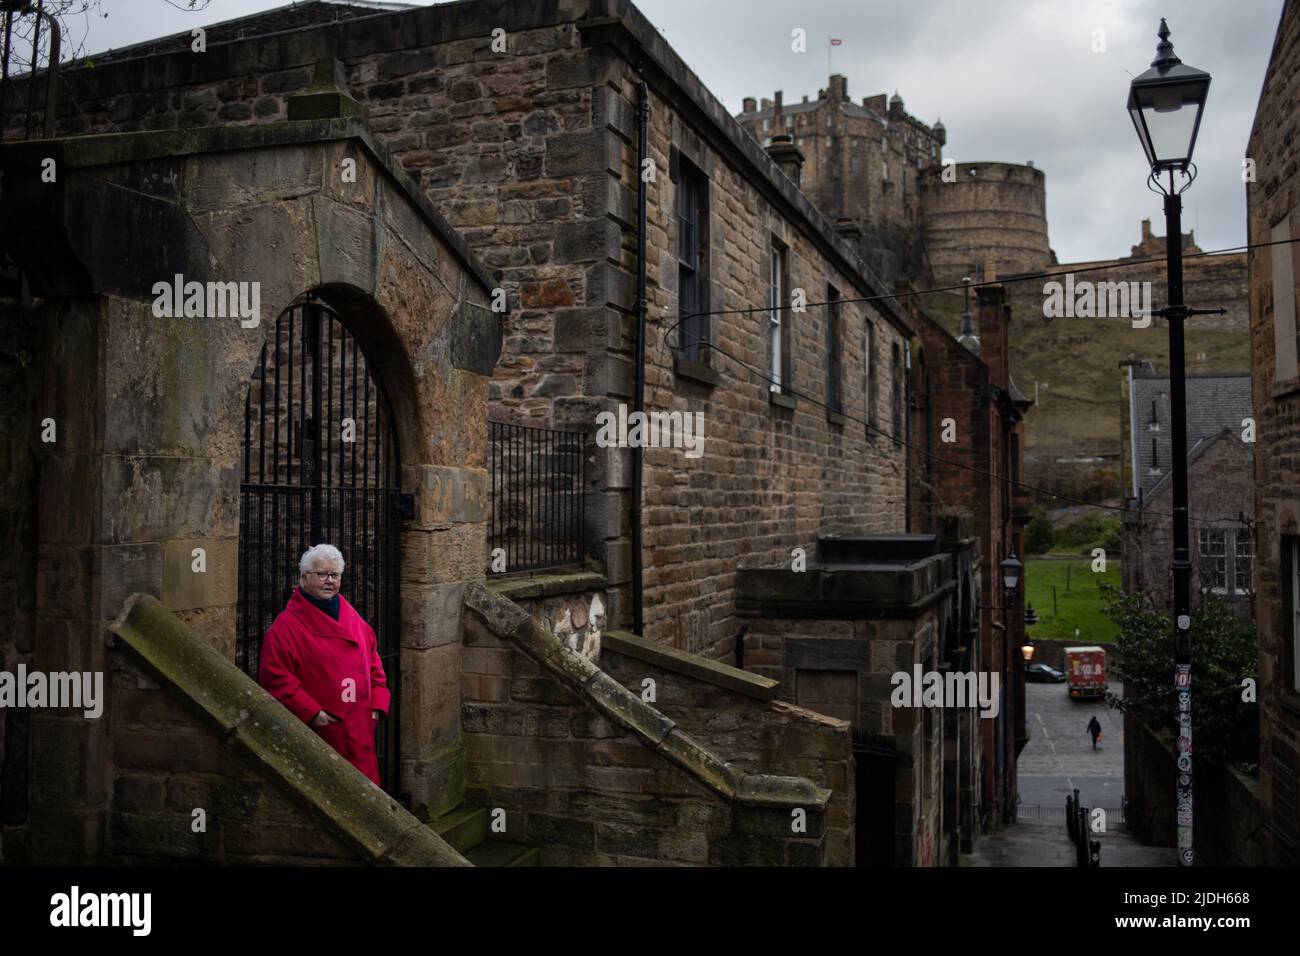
1011 572
1027 649
1165 104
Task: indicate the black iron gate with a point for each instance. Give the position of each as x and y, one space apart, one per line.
320 466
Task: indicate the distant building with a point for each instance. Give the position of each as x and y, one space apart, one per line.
1220 474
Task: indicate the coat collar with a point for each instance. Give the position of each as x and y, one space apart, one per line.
318 622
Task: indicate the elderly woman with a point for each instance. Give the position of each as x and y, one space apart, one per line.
321 660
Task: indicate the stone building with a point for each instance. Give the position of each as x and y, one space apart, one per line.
1220 464
1273 216
525 162
860 164
968 421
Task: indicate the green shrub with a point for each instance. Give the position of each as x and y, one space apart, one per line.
1224 727
1039 534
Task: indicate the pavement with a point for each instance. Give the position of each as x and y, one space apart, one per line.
1058 759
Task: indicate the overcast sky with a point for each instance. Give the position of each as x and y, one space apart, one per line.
1013 80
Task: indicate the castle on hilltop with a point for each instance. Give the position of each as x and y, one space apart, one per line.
878 172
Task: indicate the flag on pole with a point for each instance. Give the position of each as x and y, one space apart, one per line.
835 42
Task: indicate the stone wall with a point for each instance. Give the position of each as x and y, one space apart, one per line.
166 765
1226 802
150 410
584 785
20 432
1272 199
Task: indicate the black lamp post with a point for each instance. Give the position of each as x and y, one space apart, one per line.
1165 104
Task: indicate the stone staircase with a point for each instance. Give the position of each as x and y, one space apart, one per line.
468 830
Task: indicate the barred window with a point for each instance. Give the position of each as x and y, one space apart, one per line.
1214 559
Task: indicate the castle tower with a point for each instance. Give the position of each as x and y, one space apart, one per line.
988 211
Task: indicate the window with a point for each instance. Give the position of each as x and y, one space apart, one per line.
884 143
884 166
869 360
1214 560
779 318
1243 567
1155 459
767 124
896 383
789 120
834 391
692 263
1284 317
1154 424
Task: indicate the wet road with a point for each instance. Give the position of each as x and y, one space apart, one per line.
1059 756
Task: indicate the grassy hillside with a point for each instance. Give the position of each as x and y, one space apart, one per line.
1078 600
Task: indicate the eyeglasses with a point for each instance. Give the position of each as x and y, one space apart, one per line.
328 575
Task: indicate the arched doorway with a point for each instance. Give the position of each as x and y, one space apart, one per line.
321 464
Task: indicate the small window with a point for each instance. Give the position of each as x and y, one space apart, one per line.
767 124
778 319
885 169
1286 345
789 120
1214 560
869 362
1243 567
692 262
834 391
896 390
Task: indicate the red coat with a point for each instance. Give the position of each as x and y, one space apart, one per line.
307 659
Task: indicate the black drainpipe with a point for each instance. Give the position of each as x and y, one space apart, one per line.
643 150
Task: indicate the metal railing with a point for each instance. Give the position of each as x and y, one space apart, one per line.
13 11
538 497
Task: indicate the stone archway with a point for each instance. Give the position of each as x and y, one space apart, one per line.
321 463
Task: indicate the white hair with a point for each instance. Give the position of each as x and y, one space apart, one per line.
321 552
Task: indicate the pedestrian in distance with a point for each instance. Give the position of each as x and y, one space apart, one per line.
1094 728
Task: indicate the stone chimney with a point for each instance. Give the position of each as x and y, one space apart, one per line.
839 88
767 104
787 155
1146 230
994 323
990 270
879 103
326 97
750 105
779 103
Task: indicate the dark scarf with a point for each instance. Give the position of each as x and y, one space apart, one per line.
330 607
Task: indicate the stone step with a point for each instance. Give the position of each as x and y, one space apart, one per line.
464 827
503 853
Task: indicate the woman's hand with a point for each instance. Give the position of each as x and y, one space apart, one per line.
323 719
375 714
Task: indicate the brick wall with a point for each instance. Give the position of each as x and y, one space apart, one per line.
531 156
1275 147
